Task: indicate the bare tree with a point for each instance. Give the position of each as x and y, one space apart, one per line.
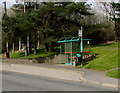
108 9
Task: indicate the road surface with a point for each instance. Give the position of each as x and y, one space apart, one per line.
13 81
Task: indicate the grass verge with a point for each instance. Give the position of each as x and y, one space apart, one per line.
41 53
106 59
113 73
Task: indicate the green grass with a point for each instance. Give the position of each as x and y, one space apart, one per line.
41 53
114 73
1 55
14 55
17 55
107 57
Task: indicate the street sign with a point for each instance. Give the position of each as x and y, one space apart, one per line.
88 42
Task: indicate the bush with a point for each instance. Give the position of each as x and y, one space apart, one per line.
100 33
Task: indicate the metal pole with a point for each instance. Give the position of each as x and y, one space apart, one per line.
65 53
80 35
81 44
81 40
71 52
60 53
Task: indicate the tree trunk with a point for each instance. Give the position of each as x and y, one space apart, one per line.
35 5
13 47
35 43
7 46
52 47
26 47
24 10
46 47
118 31
38 44
28 43
26 51
30 49
19 44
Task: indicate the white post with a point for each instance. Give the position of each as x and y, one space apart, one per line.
80 34
81 39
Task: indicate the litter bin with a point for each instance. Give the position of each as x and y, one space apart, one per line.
7 55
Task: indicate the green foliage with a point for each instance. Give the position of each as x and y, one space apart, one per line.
41 53
52 20
117 30
99 33
106 59
116 7
17 55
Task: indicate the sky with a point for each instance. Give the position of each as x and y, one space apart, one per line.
11 2
94 6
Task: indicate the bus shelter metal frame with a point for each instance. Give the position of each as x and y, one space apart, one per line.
71 40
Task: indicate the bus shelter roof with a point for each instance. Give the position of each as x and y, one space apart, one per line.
71 39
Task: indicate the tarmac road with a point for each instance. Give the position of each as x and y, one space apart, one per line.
14 81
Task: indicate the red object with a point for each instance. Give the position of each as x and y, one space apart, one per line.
86 52
68 52
7 55
18 51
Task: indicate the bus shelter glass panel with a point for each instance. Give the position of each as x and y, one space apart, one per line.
62 53
68 52
76 48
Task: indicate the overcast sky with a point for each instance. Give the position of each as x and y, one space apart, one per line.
11 2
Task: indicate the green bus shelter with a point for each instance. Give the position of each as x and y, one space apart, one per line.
72 48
